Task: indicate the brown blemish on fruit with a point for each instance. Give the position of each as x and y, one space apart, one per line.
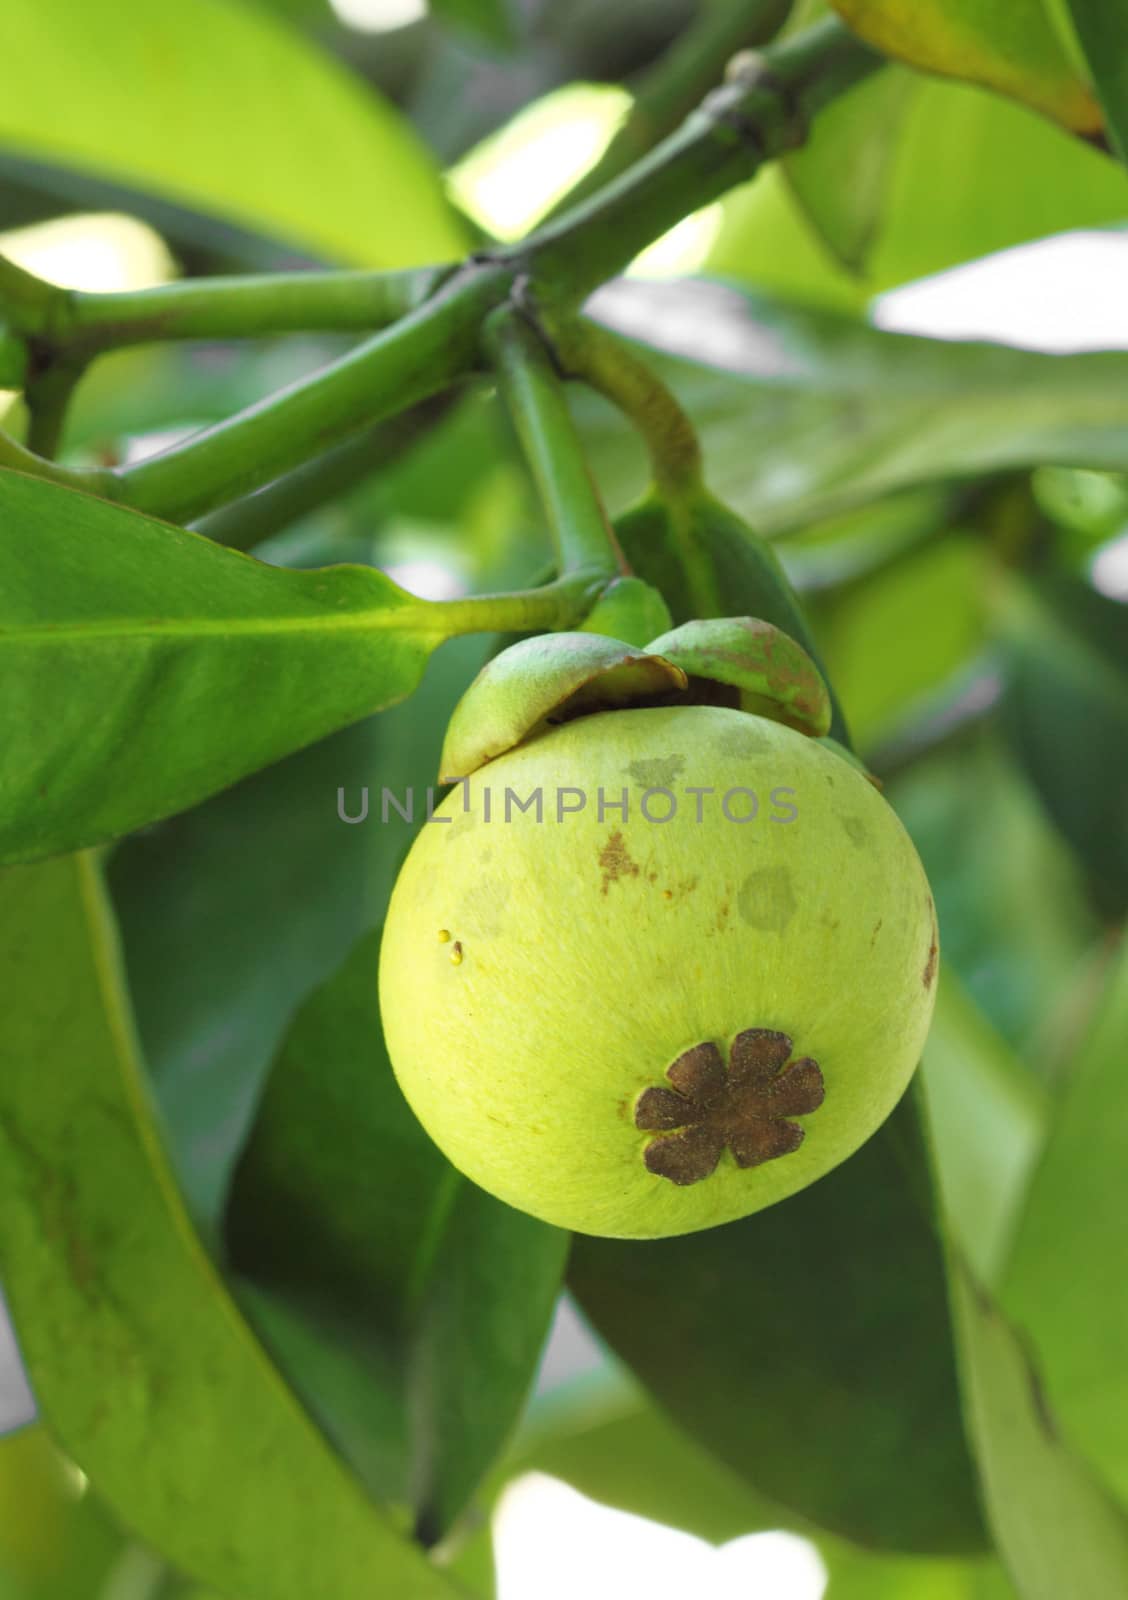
876 931
667 894
930 965
744 1109
615 861
722 915
766 900
456 953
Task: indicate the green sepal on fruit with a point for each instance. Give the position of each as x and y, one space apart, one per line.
657 962
554 678
709 563
769 674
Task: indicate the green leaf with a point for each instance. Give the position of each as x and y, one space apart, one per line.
1099 29
902 631
115 629
705 561
1059 1535
1064 1285
630 1456
1015 921
988 1118
141 1363
232 913
971 173
184 101
1066 714
1007 45
621 1452
432 1296
841 176
804 413
809 1335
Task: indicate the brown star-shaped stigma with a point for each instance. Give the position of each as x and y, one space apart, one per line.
744 1108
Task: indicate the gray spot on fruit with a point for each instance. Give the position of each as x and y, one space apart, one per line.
461 824
660 773
742 741
482 909
856 831
766 900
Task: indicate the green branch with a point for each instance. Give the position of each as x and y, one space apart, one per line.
241 308
25 300
424 353
47 393
248 521
762 112
669 90
534 394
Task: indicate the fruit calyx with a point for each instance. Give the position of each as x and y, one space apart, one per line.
740 662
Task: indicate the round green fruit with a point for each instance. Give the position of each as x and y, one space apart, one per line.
639 1027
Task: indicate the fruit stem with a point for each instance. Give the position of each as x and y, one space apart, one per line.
609 365
534 394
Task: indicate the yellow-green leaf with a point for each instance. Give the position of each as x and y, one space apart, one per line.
1007 45
223 108
141 1364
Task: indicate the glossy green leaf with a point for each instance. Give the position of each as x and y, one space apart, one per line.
419 1304
1059 1534
988 1118
809 1335
1007 45
622 1452
971 173
1065 1285
625 1453
1099 29
116 629
901 632
183 100
140 1361
1066 714
804 413
233 912
708 563
1014 917
841 176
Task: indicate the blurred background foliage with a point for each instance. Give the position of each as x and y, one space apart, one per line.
954 515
